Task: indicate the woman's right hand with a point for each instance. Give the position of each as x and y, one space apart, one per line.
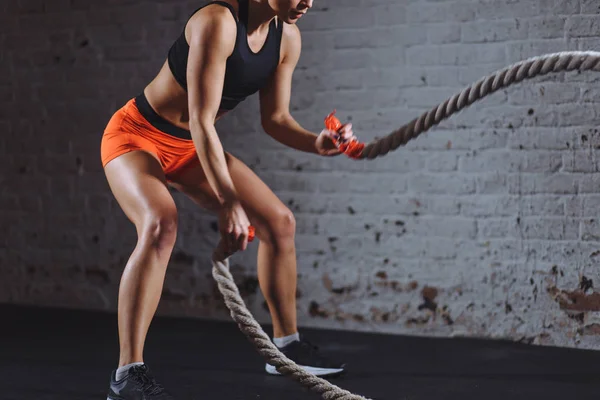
233 226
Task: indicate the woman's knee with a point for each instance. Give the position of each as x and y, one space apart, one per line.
282 227
159 229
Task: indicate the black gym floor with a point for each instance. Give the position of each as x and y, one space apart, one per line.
49 354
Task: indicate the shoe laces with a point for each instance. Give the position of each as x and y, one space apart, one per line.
146 380
313 351
312 348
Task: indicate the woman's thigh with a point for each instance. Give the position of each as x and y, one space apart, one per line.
264 209
138 183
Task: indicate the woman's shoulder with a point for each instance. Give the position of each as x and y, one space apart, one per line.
224 11
213 17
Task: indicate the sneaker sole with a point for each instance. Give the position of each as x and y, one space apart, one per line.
313 370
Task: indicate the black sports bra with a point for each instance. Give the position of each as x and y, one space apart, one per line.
246 71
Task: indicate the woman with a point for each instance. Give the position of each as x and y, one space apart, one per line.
166 136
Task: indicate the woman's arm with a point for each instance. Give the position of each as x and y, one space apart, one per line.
211 39
212 34
276 118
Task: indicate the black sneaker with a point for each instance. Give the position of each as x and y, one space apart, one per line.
139 384
307 356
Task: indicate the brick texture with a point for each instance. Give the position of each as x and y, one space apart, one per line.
485 226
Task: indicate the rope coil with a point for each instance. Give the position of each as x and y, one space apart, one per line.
532 67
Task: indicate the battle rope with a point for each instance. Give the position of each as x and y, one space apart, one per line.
536 66
254 332
515 73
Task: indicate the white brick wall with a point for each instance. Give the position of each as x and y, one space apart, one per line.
492 215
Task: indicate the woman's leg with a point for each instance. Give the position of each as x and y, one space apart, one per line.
138 183
275 228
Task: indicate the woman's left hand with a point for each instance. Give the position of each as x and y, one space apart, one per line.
326 141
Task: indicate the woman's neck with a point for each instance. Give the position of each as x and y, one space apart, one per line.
260 15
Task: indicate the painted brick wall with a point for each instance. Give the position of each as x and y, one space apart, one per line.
485 226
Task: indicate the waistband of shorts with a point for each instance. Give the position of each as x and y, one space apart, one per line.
157 121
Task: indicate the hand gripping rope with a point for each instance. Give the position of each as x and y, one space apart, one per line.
536 66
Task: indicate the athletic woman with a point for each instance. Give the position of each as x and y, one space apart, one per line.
166 136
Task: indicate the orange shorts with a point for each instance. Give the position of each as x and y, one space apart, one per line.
136 126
